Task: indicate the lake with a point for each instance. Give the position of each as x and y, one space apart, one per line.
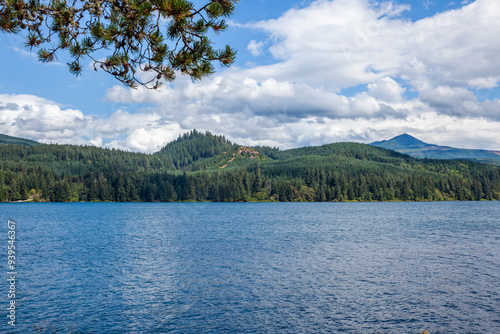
254 267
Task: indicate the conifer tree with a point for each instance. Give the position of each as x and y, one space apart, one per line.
158 36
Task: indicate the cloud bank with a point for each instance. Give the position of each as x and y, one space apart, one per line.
433 78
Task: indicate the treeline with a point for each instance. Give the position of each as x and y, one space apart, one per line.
204 167
246 184
77 160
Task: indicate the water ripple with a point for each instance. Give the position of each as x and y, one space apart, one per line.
258 268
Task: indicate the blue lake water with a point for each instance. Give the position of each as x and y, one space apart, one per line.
254 267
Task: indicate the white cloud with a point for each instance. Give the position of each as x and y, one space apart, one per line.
152 139
331 45
484 82
97 141
442 62
255 48
386 89
32 117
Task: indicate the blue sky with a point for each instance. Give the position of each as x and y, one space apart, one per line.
307 73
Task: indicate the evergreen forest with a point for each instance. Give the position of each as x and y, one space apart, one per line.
206 167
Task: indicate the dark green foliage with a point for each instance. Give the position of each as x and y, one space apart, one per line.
206 167
4 139
194 146
159 37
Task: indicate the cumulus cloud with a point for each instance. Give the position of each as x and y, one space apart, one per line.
255 47
346 43
420 77
387 90
32 117
331 45
233 93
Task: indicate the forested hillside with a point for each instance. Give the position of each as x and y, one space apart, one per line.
193 146
205 167
4 139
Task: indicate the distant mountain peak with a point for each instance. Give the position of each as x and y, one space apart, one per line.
410 145
403 141
405 136
409 141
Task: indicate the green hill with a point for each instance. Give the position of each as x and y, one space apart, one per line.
193 146
4 139
206 167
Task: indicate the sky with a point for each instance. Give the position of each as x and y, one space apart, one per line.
307 73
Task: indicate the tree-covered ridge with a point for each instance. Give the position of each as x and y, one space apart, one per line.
193 146
349 150
4 139
77 160
190 169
